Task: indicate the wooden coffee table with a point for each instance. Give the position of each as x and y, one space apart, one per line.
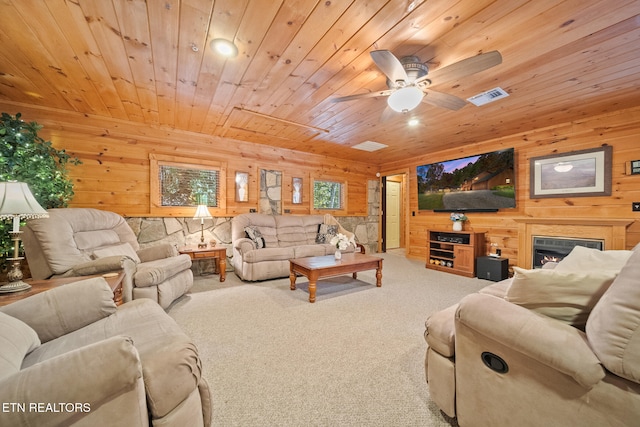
317 267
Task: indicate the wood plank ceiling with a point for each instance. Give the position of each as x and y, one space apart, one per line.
150 62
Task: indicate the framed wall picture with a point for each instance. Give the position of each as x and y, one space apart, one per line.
575 174
296 191
242 187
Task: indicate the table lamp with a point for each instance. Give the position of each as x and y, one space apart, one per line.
17 203
203 213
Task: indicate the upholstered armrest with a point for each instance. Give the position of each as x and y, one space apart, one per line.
440 331
156 272
244 245
553 343
87 377
97 266
172 370
159 251
64 309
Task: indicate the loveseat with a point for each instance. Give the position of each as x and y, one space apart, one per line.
83 242
264 244
557 346
69 356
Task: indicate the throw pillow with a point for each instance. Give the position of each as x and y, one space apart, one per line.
124 249
582 259
255 235
566 296
326 233
613 329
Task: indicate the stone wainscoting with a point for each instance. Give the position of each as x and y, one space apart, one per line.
186 231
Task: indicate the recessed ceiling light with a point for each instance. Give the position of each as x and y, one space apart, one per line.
413 122
224 47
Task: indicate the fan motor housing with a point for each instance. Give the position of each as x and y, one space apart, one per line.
414 69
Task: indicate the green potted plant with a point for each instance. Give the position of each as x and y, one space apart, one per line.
26 157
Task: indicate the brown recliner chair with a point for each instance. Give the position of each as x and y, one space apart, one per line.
83 241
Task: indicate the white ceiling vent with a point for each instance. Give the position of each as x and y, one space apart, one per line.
369 146
488 96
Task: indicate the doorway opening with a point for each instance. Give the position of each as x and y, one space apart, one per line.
393 211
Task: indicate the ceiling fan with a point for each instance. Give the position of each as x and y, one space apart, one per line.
409 80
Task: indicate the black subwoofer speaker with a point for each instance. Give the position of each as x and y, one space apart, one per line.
492 268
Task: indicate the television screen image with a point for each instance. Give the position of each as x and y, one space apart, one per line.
485 182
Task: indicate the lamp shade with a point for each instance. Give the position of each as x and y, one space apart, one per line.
405 99
16 200
202 212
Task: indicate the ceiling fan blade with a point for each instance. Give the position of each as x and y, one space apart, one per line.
389 65
443 100
363 95
466 67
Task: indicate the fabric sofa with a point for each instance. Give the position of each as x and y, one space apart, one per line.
82 242
275 239
558 346
69 356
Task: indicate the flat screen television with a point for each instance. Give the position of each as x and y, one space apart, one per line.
482 183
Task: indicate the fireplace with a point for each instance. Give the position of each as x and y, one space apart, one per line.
553 249
613 232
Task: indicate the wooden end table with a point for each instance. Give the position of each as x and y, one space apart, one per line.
317 267
217 253
113 279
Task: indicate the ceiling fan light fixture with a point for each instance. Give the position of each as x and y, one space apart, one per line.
405 99
224 47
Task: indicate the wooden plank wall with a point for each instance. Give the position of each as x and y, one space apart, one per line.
620 129
115 171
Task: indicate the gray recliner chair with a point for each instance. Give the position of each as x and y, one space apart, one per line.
83 241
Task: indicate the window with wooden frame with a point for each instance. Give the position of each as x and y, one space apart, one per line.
179 184
329 195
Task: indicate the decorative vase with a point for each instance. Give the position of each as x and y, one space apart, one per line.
338 254
457 225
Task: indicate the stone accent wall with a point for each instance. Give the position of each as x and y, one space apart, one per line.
270 192
186 231
366 228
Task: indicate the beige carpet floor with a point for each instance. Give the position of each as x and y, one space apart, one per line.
354 358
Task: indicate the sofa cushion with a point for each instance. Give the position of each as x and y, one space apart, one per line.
582 259
613 329
113 250
326 233
17 340
56 312
254 234
564 295
142 320
51 245
95 239
295 230
269 254
303 251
